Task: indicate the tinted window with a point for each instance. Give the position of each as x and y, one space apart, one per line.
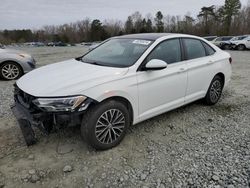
226 38
168 51
218 39
209 49
194 48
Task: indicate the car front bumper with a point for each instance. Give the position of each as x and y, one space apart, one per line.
28 64
233 46
46 122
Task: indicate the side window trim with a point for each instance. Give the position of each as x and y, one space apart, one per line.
144 61
207 53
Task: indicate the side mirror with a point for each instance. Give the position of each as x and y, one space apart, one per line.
156 64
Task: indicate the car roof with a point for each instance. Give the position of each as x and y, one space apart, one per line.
146 36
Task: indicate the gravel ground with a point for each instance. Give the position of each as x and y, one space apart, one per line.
193 146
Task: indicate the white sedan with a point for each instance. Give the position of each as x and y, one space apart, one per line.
122 82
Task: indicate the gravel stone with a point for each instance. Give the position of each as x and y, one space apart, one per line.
67 168
143 176
200 142
31 157
32 171
215 178
34 178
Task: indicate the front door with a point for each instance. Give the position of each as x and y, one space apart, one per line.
162 90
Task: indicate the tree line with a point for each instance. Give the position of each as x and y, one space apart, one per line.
229 19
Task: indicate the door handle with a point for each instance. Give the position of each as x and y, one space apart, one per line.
210 62
182 69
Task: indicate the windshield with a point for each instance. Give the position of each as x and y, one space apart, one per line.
117 52
238 38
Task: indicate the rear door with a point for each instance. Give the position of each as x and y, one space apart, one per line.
248 42
199 56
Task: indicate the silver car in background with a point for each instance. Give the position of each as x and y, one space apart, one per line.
13 63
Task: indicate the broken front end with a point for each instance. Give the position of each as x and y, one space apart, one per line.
47 114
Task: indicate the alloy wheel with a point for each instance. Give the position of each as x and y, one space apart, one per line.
215 91
110 126
10 71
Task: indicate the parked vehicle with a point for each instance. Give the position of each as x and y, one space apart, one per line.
124 81
34 44
227 45
219 40
210 38
13 63
93 46
56 44
242 44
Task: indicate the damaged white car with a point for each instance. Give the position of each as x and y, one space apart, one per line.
124 81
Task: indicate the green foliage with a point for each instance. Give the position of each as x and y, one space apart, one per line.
149 26
159 23
129 25
230 9
207 14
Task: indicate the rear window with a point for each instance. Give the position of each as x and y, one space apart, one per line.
194 48
226 38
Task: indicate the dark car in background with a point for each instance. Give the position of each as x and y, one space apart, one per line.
56 44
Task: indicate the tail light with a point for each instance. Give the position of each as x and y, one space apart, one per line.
230 60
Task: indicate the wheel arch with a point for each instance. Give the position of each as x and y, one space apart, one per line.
222 76
241 45
12 61
126 102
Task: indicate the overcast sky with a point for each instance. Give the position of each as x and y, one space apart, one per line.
33 14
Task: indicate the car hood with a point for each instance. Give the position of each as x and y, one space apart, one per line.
13 51
236 41
66 78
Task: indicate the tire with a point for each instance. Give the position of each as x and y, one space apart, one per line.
100 126
226 47
10 71
241 47
214 91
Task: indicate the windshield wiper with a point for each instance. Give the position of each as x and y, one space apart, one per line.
92 62
96 63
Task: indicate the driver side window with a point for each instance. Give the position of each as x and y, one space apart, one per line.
168 51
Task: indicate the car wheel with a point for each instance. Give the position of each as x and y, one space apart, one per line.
214 91
105 125
241 47
226 47
10 71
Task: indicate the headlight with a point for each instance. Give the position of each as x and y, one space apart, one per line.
60 104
